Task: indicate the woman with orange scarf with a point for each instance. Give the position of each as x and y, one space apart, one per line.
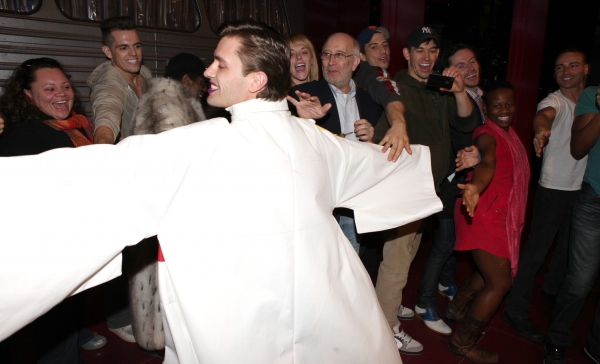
42 111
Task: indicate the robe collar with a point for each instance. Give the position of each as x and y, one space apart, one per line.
257 105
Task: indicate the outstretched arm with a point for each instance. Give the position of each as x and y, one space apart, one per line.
308 107
483 173
467 158
464 106
396 137
542 125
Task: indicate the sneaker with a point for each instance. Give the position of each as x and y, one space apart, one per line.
589 354
125 333
449 291
405 313
405 343
554 355
97 342
433 320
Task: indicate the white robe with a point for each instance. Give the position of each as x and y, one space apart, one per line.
256 268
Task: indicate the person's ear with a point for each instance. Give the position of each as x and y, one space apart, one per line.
355 63
107 52
406 54
28 93
259 81
586 69
186 80
362 57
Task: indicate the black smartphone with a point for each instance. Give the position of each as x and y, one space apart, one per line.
439 81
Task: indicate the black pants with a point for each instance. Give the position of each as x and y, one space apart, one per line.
551 216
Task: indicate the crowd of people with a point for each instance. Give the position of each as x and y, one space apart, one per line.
289 283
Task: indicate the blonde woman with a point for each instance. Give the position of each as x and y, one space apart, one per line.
303 60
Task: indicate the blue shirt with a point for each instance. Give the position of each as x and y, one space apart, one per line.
587 104
347 110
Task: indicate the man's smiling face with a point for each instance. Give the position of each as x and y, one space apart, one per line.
377 51
468 65
228 85
570 70
125 52
421 59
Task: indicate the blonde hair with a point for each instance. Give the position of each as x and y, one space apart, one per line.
303 41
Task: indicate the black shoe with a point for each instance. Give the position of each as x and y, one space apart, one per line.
554 355
589 354
524 327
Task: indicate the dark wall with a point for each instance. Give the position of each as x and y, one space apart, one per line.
571 24
325 17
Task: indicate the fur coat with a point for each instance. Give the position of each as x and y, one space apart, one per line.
165 105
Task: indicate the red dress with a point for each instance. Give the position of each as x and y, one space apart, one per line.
498 220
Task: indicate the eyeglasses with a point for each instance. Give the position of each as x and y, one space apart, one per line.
338 56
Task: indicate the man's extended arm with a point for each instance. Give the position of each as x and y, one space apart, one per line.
108 104
464 106
584 134
542 125
397 137
385 92
307 106
586 125
104 135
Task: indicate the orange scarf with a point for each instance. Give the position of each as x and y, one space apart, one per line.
71 126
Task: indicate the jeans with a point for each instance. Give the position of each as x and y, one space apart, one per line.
349 229
583 266
552 214
440 265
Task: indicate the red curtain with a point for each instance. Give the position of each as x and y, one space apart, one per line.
400 17
525 62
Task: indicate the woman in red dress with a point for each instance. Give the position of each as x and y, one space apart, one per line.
489 219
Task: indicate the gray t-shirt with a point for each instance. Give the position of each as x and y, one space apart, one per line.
560 171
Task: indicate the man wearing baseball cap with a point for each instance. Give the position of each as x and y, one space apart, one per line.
371 75
429 113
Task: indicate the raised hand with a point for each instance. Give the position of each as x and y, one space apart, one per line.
309 107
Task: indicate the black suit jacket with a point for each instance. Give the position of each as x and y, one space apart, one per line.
367 108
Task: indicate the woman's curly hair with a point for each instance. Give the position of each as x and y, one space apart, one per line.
18 107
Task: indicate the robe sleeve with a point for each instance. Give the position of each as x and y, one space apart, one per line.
65 215
384 194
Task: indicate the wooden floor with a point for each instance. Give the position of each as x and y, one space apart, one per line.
498 336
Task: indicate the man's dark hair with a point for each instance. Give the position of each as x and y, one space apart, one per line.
450 51
115 23
262 49
496 85
571 50
426 41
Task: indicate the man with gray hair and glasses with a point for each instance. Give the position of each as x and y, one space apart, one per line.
350 112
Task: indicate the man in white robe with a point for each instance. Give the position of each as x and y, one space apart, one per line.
254 267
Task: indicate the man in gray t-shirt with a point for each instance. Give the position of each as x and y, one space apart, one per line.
559 186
